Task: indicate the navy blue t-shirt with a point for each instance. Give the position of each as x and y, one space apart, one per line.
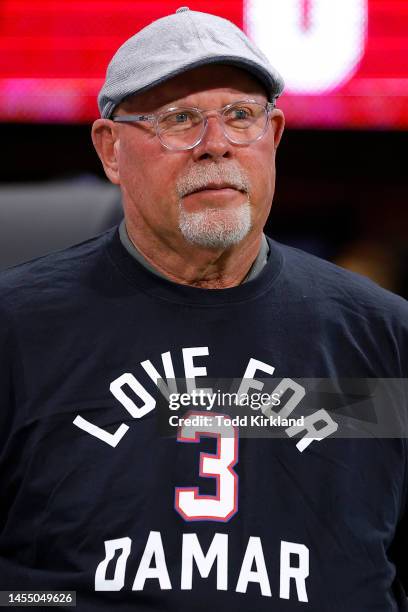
98 496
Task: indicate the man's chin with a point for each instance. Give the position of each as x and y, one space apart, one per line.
216 228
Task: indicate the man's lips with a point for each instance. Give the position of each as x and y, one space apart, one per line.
225 187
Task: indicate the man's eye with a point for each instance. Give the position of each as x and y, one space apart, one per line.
178 119
181 117
240 113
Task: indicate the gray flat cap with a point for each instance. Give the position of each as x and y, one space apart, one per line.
176 43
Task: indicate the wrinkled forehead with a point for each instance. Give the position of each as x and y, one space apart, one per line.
240 83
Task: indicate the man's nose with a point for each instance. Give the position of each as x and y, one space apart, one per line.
214 143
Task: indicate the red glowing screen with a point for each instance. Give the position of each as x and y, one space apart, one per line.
345 62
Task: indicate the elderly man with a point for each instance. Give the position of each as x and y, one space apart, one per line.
125 476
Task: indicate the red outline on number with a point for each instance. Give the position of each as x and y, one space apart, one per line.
196 439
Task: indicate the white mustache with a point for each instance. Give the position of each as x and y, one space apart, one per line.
199 177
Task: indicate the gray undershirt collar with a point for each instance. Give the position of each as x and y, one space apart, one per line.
255 269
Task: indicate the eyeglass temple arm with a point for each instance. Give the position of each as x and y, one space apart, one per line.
128 118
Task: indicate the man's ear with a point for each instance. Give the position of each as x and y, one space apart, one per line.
105 141
278 124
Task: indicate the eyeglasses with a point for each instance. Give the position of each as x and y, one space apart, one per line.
179 129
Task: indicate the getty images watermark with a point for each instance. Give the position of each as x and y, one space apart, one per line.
205 400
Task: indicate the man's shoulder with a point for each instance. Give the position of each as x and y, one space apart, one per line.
319 280
59 272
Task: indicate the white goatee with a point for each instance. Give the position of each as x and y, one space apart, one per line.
215 227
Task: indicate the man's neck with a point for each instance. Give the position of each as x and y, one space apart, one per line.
209 275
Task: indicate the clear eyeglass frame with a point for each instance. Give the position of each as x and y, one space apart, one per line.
156 118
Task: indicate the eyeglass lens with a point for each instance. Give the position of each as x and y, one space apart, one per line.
243 123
